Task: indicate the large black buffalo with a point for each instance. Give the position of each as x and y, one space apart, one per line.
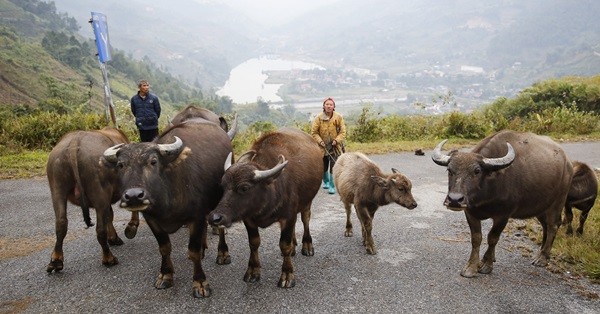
174 181
582 195
273 182
75 174
507 175
192 113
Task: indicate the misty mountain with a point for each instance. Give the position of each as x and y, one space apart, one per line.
403 34
199 41
202 40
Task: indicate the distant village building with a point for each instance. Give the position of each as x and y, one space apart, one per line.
472 69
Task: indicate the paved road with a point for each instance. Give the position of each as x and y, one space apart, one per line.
421 253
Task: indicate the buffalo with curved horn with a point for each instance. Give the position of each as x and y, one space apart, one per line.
507 175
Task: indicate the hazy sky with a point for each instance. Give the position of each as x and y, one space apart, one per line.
275 12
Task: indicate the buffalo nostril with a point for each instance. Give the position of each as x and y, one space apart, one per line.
134 195
216 219
456 197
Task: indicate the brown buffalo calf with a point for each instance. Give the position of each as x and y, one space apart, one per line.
75 174
362 183
582 195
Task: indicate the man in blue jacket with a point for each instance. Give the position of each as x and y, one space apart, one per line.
146 109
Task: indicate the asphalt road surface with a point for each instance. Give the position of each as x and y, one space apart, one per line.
420 255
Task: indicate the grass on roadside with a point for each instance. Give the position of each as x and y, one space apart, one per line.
579 255
24 164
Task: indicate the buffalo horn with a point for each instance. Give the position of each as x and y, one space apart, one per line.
501 162
110 154
438 157
228 161
265 174
234 127
171 149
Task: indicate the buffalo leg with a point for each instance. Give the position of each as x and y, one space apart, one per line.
471 268
103 220
585 210
61 225
253 271
487 263
223 257
165 278
287 278
132 225
348 207
568 219
200 286
113 238
550 223
307 245
366 221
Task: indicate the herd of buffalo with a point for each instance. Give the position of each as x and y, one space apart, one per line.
188 177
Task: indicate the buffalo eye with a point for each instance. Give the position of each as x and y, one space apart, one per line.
120 165
477 170
153 161
243 188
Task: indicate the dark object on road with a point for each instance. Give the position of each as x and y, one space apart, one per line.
273 182
75 174
362 183
582 195
419 152
174 181
507 175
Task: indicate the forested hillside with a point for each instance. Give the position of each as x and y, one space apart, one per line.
44 63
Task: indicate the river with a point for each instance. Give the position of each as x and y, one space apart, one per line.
246 81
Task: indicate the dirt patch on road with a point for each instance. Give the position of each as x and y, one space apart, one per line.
18 306
17 247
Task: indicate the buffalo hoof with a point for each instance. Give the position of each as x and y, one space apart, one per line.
55 265
308 249
115 242
252 275
223 259
371 251
164 281
286 280
348 233
485 269
201 290
130 231
469 272
540 261
110 261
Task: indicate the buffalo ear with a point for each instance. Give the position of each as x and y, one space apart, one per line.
247 156
103 162
382 182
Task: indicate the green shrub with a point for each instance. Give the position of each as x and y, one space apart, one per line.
462 125
242 141
367 128
43 130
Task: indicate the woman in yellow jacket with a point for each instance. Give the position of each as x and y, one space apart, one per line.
329 130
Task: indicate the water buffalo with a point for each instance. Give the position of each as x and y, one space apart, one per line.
174 181
582 195
362 183
75 174
507 175
191 112
273 182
